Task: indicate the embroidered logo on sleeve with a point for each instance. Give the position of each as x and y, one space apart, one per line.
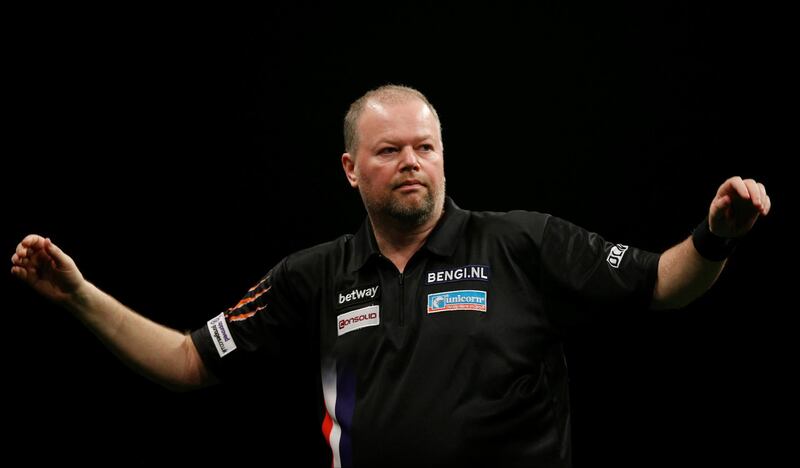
465 299
356 319
221 335
615 255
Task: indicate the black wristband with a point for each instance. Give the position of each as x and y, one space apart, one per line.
711 246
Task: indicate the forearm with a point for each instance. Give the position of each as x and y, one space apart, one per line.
161 354
683 276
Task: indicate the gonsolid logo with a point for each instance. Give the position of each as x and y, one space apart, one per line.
465 299
221 335
357 319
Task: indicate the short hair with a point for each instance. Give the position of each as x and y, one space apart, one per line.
386 94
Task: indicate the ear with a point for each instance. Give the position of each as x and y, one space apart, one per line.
349 166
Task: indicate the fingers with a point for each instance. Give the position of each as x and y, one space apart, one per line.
32 260
758 196
19 272
738 186
23 273
748 189
32 240
754 192
30 254
18 261
765 201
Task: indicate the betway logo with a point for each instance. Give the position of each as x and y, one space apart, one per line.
356 319
358 294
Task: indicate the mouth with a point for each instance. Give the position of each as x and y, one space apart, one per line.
410 184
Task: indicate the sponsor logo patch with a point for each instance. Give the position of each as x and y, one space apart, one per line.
356 319
221 335
465 299
464 273
615 256
357 295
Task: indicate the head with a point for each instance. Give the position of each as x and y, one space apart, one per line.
394 155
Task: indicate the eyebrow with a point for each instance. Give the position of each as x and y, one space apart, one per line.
391 142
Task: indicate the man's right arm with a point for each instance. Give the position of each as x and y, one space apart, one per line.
161 354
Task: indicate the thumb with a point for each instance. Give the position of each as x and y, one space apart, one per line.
720 204
58 255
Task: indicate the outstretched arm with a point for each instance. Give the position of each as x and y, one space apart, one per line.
161 354
684 273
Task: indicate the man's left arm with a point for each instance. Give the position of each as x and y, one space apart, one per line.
688 269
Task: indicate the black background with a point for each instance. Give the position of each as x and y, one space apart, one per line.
178 154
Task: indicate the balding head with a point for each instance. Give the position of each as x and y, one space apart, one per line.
386 95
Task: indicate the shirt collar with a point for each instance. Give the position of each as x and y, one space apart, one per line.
441 241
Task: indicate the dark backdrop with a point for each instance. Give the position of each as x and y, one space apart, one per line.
178 154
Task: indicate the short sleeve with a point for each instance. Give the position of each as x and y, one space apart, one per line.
583 273
253 329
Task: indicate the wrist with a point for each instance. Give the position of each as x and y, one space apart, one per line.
79 299
711 246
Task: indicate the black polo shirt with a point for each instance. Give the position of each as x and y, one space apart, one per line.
457 361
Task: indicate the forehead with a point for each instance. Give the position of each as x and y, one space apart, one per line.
405 119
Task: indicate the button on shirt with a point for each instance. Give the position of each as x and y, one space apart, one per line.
456 360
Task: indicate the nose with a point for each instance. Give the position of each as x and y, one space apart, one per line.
408 159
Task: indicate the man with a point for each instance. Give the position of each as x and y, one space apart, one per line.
438 328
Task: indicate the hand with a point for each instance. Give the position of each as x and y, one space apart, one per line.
46 268
736 207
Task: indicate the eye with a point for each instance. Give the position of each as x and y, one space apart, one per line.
426 147
387 150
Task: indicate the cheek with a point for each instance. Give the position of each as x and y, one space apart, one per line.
377 174
369 178
436 170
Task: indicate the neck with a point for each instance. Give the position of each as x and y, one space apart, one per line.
398 241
